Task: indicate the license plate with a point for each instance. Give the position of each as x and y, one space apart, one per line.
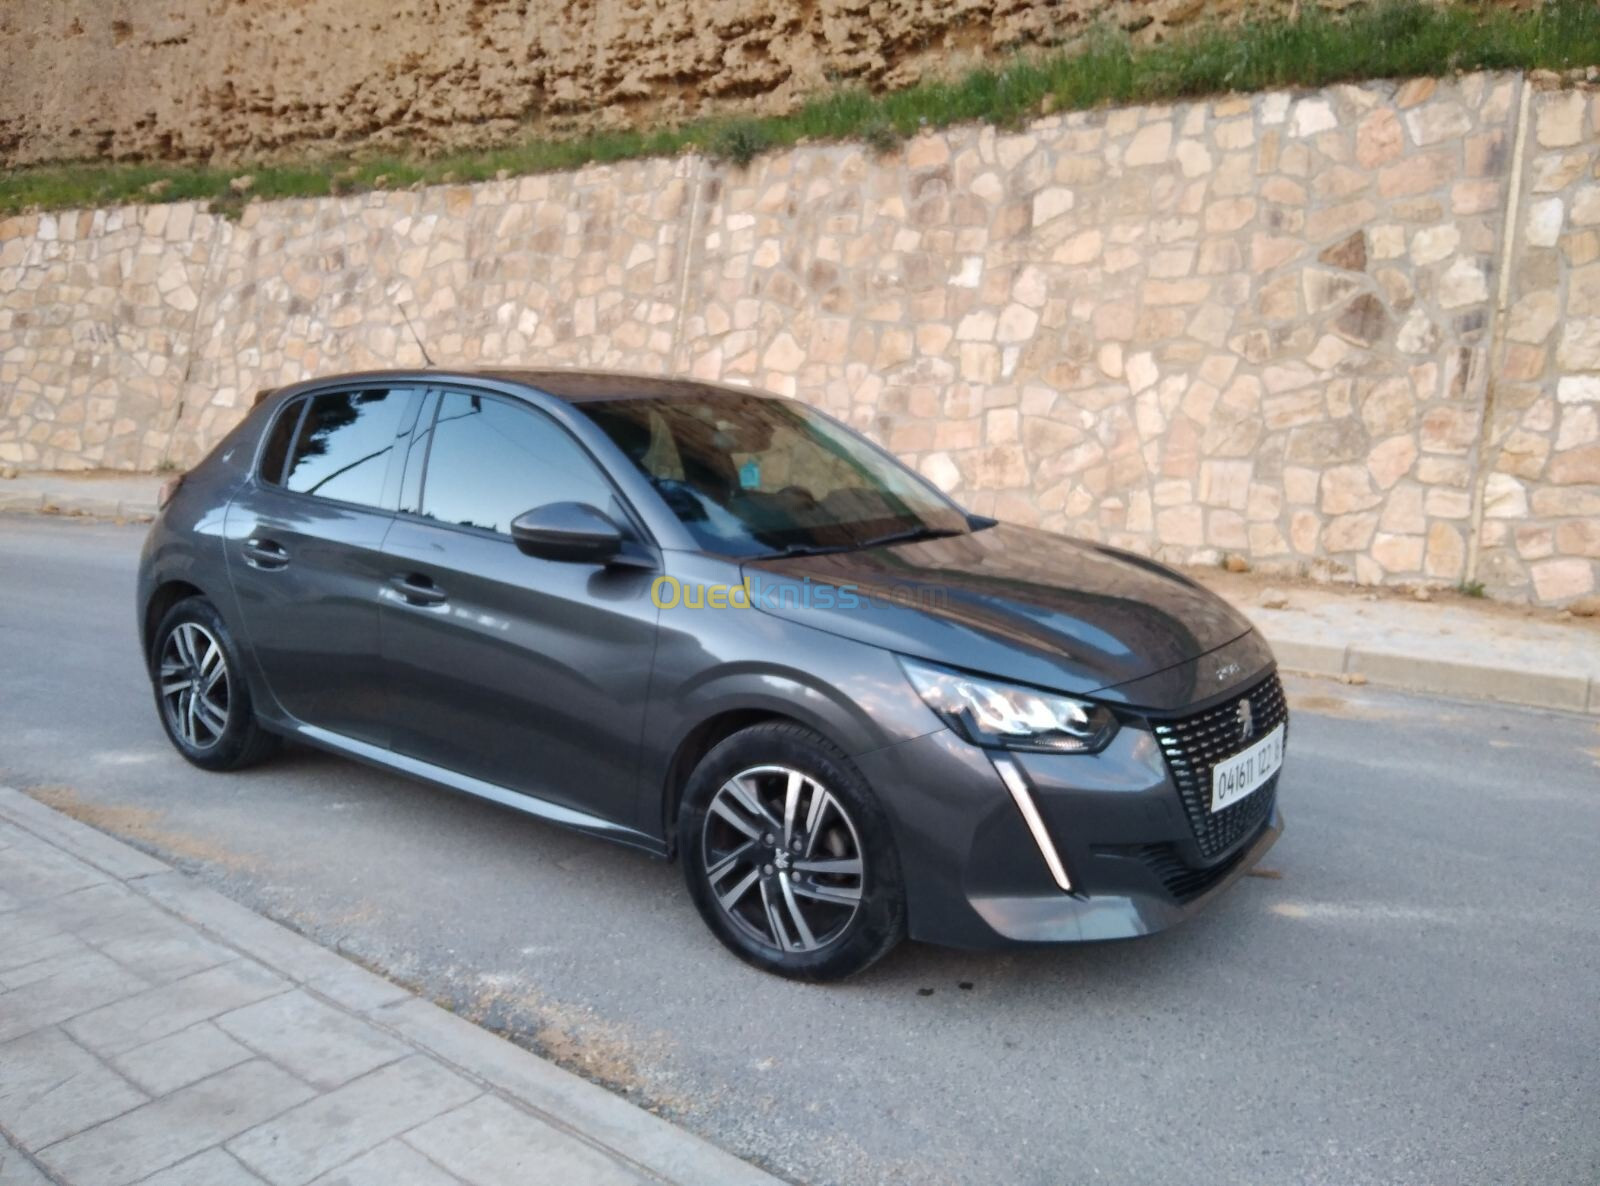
1236 778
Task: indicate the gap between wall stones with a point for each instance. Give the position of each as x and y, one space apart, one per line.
1497 320
215 252
686 254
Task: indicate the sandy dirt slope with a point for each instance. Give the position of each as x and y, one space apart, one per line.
201 79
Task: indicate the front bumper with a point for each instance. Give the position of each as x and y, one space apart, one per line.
976 876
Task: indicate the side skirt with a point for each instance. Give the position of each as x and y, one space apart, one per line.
465 784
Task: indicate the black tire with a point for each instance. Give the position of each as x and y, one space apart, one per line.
239 741
811 904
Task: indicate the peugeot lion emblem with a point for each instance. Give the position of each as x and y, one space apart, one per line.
1247 720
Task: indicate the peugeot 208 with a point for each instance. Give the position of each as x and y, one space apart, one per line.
717 625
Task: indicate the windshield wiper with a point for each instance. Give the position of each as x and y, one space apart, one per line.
894 537
909 535
806 550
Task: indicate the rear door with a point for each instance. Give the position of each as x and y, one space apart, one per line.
304 552
529 674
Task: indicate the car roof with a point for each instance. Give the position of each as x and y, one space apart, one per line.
577 385
570 384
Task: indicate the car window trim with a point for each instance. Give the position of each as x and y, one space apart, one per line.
427 411
633 522
394 477
415 390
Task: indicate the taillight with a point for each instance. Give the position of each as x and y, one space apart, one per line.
168 489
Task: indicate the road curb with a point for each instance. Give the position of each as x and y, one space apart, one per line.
55 502
1424 673
561 1099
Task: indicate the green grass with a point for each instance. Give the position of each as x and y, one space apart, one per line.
1393 39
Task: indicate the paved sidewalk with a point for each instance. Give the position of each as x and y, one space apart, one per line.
153 1031
1450 647
105 495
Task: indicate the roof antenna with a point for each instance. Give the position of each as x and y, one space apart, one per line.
415 337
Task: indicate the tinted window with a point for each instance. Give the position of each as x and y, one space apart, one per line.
491 460
277 447
749 474
343 449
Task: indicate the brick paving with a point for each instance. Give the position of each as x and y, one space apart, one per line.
155 1032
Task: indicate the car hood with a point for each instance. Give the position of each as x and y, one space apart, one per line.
1016 602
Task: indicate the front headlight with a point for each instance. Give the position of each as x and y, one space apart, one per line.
1009 716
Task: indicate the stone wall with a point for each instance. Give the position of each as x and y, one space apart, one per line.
1539 457
1354 332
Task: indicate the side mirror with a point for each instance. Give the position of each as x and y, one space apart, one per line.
572 531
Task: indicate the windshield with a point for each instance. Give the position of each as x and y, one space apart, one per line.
753 475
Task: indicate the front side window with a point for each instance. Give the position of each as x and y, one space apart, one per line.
345 443
491 460
752 475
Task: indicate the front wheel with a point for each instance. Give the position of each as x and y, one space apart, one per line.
788 855
201 692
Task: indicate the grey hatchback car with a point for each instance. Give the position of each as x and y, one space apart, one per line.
717 625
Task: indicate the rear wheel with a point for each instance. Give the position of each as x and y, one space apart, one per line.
788 855
201 693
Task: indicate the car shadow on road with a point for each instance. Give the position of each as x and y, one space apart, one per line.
621 882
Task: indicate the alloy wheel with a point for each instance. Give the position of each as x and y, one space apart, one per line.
195 685
783 859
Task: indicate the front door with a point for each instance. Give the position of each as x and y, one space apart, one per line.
526 673
304 539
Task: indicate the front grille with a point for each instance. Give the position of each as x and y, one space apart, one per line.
1182 882
1193 744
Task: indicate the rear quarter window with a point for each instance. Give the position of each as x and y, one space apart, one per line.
279 438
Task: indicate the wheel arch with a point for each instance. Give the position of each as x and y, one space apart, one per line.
699 741
830 698
161 600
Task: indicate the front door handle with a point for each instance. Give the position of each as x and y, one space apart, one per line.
265 553
417 589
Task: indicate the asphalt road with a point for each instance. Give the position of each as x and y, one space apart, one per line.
1415 999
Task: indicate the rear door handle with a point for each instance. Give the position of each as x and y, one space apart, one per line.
417 589
265 553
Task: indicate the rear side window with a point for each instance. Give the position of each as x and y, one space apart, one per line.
278 440
491 460
344 447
